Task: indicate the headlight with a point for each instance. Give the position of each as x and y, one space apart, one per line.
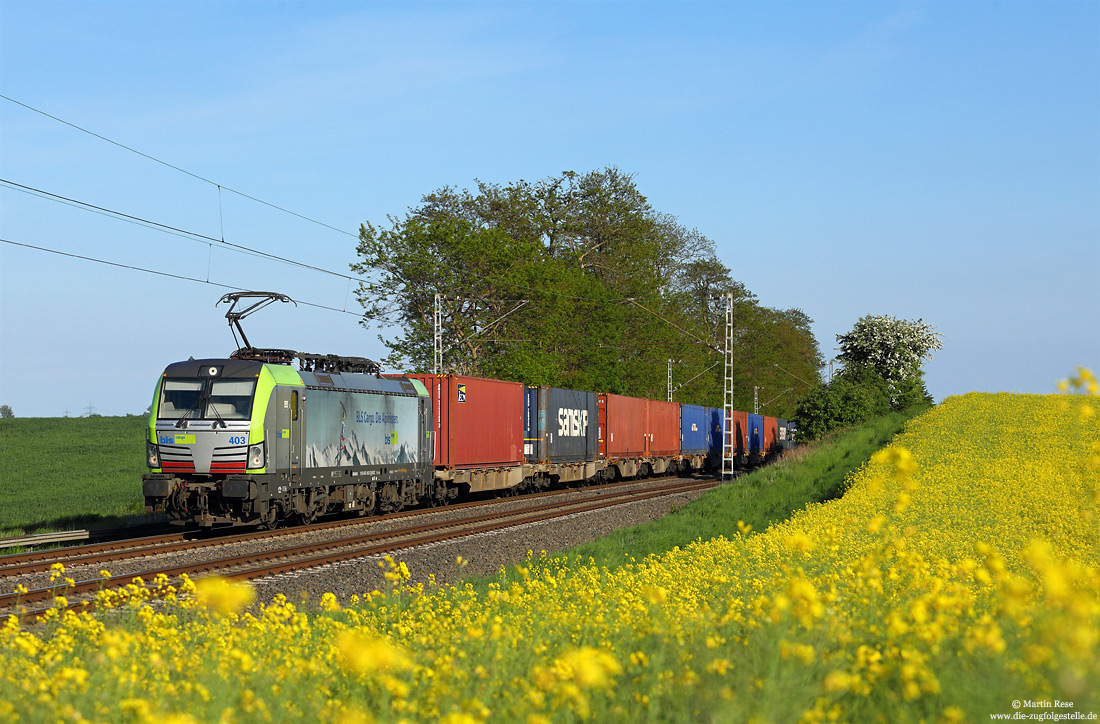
256 456
152 455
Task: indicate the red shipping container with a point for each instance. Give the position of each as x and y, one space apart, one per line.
771 433
478 423
623 422
664 428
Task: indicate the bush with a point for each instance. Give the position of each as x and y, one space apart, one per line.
853 397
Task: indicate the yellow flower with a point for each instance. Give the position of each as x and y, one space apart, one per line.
177 718
799 541
459 717
952 715
329 603
875 524
353 716
590 667
364 653
900 457
656 595
838 681
224 595
719 666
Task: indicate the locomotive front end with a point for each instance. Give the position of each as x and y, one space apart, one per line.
205 441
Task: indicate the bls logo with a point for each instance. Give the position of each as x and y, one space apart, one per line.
572 423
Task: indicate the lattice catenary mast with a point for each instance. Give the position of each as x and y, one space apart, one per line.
727 395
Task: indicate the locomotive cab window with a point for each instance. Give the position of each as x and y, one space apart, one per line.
230 399
294 405
179 397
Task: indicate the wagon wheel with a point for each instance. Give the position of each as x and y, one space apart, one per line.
438 497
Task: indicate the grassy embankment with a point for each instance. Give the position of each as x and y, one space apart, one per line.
61 473
813 473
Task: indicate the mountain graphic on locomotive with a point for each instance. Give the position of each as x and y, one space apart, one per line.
252 440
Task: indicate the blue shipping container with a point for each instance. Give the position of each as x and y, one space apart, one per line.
756 434
694 429
714 430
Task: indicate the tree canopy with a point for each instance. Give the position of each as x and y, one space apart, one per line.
892 348
575 281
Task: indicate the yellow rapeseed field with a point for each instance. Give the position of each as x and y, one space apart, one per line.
957 578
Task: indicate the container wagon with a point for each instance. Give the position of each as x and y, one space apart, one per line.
561 437
478 431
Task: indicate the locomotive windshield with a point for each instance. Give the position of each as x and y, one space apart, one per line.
206 399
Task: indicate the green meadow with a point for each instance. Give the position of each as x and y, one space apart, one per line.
61 473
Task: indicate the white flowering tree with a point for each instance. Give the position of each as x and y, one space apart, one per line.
892 348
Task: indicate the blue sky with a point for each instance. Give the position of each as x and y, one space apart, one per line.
924 160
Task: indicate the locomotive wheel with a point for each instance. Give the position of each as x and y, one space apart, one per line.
270 519
311 510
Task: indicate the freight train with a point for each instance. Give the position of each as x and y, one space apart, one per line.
253 440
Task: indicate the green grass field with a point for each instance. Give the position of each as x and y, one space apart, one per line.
70 473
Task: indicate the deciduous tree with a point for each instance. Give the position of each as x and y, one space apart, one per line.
894 349
573 281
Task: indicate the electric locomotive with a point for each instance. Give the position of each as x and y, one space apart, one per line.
251 439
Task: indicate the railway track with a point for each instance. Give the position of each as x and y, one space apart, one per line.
297 556
98 554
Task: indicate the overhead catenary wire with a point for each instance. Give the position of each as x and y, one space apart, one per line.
131 267
173 230
206 239
210 240
708 345
177 168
